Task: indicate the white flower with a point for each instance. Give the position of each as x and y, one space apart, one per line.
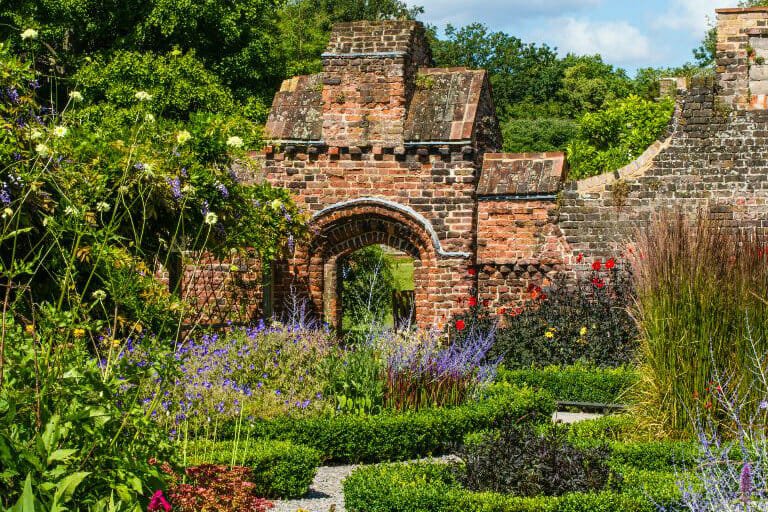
149 118
211 218
143 96
30 33
43 150
46 221
235 141
60 131
99 295
36 134
183 136
122 189
102 206
71 211
76 96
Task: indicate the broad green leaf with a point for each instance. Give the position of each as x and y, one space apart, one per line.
66 487
61 455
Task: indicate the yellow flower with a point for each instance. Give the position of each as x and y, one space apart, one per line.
30 33
549 334
583 331
29 329
183 136
78 332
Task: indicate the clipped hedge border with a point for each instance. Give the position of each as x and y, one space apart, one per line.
280 469
577 383
403 436
432 487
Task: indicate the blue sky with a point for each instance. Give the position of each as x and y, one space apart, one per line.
628 34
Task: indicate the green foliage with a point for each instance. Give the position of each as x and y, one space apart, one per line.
702 320
71 430
178 83
355 380
656 455
401 436
280 469
566 322
617 135
367 286
588 84
577 383
433 487
616 427
235 40
535 135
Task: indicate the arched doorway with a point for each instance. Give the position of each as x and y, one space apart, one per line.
343 230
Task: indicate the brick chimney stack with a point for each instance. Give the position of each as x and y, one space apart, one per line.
369 72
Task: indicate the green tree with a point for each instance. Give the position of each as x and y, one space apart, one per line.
519 72
616 135
588 83
238 40
543 134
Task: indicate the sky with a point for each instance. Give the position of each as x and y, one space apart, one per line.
628 34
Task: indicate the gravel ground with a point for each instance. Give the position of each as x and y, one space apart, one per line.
325 494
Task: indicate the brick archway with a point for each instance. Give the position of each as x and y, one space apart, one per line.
343 229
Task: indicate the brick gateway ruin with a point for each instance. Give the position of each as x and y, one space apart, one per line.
380 148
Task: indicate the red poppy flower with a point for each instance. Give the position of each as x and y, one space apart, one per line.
598 283
610 263
472 271
518 311
580 257
472 301
502 311
460 325
543 296
597 265
486 303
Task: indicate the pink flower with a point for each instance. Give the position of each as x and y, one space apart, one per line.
158 503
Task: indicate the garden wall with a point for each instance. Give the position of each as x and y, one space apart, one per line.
412 165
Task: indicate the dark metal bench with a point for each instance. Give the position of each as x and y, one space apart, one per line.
590 406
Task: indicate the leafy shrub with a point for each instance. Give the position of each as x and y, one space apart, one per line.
655 455
618 427
217 487
73 429
586 320
433 487
520 460
577 383
400 436
535 135
354 379
616 135
702 314
279 469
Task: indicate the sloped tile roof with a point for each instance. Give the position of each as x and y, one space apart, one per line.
297 110
444 104
522 174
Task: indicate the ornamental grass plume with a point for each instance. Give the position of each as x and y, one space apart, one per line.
700 307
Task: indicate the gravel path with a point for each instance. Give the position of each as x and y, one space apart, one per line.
325 494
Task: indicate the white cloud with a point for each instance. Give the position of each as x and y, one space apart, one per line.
617 41
693 15
497 12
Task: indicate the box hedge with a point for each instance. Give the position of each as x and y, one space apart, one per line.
430 487
280 469
403 436
576 383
